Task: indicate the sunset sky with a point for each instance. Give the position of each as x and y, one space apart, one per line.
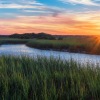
62 17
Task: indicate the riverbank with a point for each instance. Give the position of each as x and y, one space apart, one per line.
77 45
13 41
23 78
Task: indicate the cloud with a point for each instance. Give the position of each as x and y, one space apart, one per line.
65 23
20 4
84 2
29 8
31 16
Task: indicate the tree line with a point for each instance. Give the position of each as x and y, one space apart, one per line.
32 35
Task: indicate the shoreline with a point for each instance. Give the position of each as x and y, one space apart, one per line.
56 45
52 49
63 50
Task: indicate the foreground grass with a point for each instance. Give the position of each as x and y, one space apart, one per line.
23 78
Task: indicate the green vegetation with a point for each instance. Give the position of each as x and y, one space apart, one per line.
13 41
72 44
32 36
23 78
54 44
90 45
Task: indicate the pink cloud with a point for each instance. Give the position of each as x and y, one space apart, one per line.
60 24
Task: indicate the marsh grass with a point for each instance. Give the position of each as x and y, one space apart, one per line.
24 78
73 44
13 41
90 45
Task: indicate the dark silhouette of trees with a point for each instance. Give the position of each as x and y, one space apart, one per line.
32 35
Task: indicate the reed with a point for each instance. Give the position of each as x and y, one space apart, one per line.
24 78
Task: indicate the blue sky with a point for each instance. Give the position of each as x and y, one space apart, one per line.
72 11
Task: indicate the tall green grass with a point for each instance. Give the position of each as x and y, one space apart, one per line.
89 45
73 44
13 41
23 78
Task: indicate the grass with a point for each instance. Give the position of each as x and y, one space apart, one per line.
90 45
13 41
53 44
82 45
23 78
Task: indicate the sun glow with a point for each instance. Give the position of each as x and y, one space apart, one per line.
95 44
62 19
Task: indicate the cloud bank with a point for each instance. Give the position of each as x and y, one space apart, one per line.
21 16
84 2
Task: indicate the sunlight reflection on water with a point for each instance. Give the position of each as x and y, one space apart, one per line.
21 49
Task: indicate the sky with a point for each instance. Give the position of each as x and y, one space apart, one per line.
57 17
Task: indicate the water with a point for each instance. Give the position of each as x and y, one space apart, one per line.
21 49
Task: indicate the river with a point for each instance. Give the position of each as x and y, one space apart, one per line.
21 49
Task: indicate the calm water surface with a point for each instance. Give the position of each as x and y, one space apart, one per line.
21 49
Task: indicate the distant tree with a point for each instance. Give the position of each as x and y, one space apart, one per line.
32 35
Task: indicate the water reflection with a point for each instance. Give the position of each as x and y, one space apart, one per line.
21 49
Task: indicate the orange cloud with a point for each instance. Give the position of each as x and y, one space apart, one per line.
76 24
